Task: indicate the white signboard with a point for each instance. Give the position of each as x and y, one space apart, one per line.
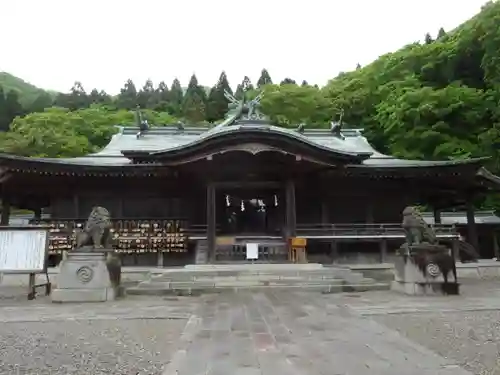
252 251
23 250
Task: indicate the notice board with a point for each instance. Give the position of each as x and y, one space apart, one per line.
23 249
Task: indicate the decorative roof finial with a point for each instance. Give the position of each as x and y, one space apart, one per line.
140 122
336 127
301 128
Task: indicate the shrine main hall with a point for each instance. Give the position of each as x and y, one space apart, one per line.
185 194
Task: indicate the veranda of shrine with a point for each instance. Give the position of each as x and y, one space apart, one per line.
180 194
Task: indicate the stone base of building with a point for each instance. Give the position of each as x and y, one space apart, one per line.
88 277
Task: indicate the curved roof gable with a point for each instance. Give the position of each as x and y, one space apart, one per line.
217 138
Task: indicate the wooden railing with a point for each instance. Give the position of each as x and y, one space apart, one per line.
365 231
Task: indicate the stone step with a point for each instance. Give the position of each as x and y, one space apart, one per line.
237 274
217 278
158 290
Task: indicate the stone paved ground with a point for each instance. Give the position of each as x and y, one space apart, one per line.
250 334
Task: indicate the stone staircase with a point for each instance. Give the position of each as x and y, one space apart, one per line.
196 279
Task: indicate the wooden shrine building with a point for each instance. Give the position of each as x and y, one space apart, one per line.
181 194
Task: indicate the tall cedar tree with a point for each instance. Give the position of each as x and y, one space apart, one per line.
127 98
176 98
217 104
194 104
163 96
146 98
243 87
264 79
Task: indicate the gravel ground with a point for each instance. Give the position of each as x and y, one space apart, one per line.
141 346
470 338
138 335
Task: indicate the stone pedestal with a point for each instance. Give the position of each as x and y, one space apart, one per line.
88 277
417 271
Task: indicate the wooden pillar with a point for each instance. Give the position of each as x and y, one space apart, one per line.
324 213
369 212
76 206
5 217
159 259
383 250
37 213
291 215
119 213
471 226
455 250
496 250
437 216
211 222
334 248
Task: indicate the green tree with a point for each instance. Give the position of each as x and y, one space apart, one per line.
127 99
195 100
58 132
217 104
288 81
44 100
264 79
291 105
99 97
147 96
428 39
163 97
176 98
194 108
441 33
243 87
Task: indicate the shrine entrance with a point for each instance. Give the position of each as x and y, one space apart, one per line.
254 213
250 212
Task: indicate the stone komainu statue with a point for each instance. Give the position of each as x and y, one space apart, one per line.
416 229
96 232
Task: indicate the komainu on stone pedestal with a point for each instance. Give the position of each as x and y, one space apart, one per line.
96 233
423 265
92 270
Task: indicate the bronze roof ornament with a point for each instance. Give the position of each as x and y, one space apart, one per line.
336 127
141 123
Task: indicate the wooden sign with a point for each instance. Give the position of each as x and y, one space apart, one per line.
23 249
298 242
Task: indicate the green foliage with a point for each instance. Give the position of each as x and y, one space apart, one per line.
59 132
26 91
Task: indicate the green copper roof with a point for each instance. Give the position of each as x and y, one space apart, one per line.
163 139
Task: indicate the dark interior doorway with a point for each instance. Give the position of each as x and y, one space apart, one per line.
242 211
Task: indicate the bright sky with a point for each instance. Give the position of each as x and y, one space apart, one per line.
102 43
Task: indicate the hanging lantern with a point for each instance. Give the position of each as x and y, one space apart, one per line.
227 201
242 206
275 200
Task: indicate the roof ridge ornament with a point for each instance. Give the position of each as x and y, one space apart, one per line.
141 123
336 127
301 128
246 109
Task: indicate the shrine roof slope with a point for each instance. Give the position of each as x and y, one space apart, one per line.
171 138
